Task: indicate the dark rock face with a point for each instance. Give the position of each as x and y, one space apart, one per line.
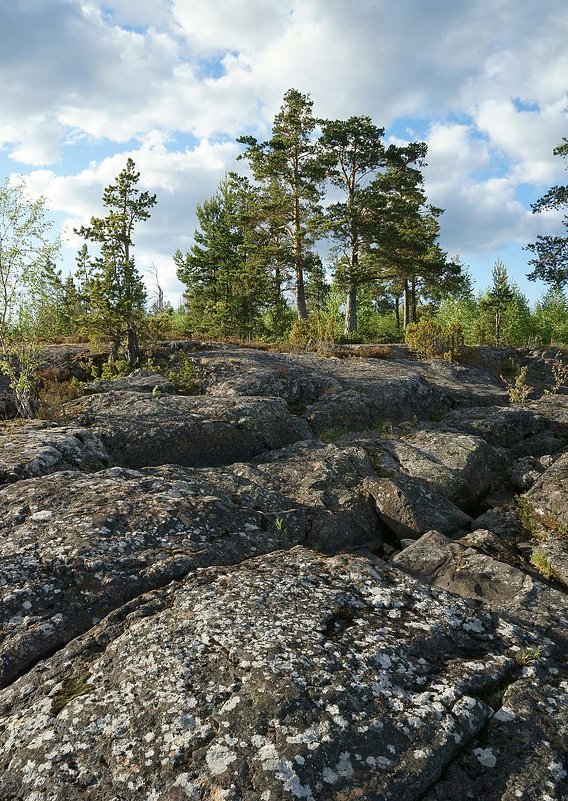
311 580
139 429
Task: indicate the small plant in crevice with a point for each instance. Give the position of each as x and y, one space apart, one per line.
528 656
559 373
509 367
540 561
518 390
538 524
332 434
282 529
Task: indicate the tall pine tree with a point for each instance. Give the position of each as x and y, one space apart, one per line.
116 293
352 150
288 165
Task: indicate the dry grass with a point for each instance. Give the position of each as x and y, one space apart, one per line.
54 389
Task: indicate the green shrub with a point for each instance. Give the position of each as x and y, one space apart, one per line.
430 340
185 375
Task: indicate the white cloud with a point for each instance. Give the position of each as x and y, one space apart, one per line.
488 80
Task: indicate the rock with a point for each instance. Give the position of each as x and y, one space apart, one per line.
522 751
138 381
140 430
319 487
504 522
489 543
524 431
551 559
331 483
503 497
405 542
503 587
289 676
348 392
74 547
524 472
548 496
554 409
164 638
460 467
409 509
30 448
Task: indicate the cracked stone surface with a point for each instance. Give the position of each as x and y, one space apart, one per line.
139 429
213 617
353 682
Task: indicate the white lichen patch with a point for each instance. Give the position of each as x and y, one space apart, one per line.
218 758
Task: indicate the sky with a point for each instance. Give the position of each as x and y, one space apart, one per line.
172 83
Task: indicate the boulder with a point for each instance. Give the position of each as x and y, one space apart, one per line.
470 573
289 676
461 467
523 431
139 429
520 753
30 448
410 509
551 559
138 381
548 497
74 547
331 483
524 473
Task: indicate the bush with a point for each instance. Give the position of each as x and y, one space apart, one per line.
430 340
185 375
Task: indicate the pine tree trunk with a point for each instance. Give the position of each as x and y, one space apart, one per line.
413 300
301 296
133 346
407 304
397 310
351 309
300 287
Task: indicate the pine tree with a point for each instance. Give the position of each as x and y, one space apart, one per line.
404 231
227 285
551 252
352 150
288 164
497 298
115 290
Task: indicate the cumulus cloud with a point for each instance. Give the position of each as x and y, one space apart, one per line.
487 80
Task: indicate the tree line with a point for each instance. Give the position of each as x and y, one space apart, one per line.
255 270
255 247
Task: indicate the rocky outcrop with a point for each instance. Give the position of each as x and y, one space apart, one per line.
309 579
289 676
137 381
34 448
140 429
74 547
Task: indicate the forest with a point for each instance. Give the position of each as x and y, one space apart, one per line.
330 238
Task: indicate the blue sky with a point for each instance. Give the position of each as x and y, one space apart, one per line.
171 83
